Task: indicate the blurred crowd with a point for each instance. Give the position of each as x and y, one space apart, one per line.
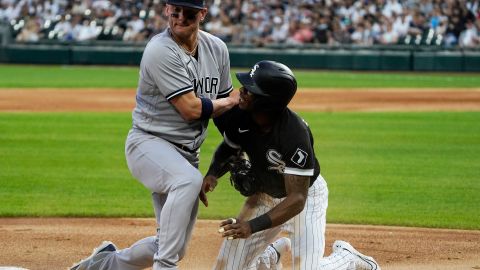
255 22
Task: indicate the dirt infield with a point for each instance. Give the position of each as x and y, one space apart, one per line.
55 100
55 243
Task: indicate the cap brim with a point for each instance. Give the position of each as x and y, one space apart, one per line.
247 82
184 4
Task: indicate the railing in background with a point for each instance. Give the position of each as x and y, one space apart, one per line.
314 56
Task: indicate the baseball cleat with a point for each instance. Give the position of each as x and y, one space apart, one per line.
362 262
106 246
281 245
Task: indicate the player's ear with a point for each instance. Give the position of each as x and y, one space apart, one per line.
203 14
166 10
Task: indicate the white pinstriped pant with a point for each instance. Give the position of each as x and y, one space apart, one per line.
306 231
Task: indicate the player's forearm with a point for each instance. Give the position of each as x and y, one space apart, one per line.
297 193
221 160
291 206
223 104
193 108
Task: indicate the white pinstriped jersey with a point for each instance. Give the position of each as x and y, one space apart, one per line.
166 71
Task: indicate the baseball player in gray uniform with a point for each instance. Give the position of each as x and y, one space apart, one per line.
184 81
283 185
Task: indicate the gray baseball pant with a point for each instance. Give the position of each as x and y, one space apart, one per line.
172 176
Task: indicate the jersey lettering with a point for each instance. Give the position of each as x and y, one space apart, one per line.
275 159
300 157
206 85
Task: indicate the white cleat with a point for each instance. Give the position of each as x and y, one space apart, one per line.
362 262
281 245
106 246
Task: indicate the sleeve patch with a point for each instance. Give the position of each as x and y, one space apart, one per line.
300 157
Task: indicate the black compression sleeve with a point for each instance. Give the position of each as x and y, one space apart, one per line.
221 160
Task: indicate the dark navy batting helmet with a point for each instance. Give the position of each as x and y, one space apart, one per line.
273 84
198 4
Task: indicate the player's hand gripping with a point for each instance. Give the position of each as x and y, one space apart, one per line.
209 184
233 228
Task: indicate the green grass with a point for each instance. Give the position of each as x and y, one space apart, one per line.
412 169
28 76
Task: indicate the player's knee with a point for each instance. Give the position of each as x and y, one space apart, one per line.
197 179
192 179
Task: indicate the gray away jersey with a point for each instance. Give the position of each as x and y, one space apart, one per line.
166 72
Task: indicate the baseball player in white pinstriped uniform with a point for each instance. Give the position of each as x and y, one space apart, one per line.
287 194
184 81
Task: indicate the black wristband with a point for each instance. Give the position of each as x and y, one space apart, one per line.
207 108
260 223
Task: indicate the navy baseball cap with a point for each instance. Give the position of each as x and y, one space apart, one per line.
198 4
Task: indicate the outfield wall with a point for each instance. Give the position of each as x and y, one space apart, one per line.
338 58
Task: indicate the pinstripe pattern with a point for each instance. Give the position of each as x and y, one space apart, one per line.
309 228
306 231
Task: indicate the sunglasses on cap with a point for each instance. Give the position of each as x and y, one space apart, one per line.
188 13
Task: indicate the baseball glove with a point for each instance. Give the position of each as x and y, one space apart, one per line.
242 178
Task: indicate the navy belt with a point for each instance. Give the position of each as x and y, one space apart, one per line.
178 145
184 147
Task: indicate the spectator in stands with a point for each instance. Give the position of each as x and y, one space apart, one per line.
221 26
86 31
250 33
136 24
389 35
302 32
470 37
417 25
12 11
339 33
30 33
323 30
255 22
401 23
279 32
392 7
64 28
362 35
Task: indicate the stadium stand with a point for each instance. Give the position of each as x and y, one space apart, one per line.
447 23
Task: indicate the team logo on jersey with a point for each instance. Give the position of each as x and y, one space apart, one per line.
206 85
252 72
300 157
275 159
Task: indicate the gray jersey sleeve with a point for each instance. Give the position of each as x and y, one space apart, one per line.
226 80
164 67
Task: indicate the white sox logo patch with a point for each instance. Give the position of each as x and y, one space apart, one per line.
252 72
276 160
300 157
